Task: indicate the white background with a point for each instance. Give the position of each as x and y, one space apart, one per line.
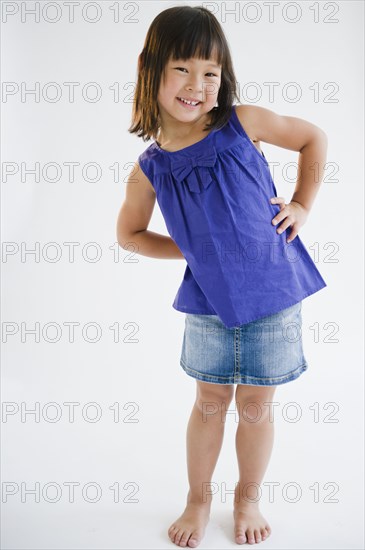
141 372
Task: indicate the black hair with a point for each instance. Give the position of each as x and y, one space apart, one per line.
180 32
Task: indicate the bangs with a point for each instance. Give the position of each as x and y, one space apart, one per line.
199 41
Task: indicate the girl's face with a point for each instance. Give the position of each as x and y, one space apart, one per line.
196 80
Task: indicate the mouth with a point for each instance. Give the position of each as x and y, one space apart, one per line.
190 103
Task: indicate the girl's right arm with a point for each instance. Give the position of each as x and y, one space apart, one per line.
134 217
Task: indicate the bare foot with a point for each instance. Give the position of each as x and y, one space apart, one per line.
249 524
188 529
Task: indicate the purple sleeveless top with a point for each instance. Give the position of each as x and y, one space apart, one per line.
215 198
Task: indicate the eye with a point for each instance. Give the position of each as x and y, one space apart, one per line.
183 69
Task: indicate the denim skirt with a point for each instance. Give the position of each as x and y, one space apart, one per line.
265 352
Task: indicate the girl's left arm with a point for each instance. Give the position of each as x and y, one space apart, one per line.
295 134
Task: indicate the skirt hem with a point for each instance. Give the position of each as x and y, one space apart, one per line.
249 380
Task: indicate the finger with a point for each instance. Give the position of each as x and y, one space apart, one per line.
282 203
280 216
277 199
287 223
292 236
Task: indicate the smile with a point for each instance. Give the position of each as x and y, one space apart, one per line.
189 103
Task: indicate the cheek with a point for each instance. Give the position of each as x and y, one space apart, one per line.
212 91
169 88
216 88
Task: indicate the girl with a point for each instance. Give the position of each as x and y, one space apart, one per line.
247 269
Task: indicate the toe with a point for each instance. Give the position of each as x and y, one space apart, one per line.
194 540
257 535
177 536
172 532
184 538
241 539
250 536
268 529
263 533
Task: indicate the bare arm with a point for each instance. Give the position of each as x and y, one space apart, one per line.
295 134
134 217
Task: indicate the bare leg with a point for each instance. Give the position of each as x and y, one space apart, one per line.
203 443
254 442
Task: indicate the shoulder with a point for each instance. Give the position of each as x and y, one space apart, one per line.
251 118
140 175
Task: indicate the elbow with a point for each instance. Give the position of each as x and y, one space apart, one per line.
320 135
323 136
119 234
120 240
122 232
124 239
127 228
318 138
323 142
122 235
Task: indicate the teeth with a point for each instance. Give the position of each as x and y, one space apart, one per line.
189 102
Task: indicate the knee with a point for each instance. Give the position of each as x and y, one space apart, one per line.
254 404
212 398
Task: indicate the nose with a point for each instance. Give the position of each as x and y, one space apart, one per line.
200 88
195 84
